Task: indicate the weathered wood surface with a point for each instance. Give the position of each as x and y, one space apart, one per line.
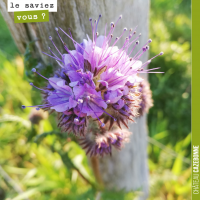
128 168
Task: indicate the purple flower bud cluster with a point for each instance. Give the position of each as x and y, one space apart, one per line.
146 98
102 144
96 80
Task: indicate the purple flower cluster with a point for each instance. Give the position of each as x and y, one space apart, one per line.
146 98
102 143
96 80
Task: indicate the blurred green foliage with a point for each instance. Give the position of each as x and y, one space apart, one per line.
6 42
169 120
170 175
170 31
46 164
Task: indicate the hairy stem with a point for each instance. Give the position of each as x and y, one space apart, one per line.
95 167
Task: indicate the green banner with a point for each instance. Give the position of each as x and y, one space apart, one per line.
31 16
195 100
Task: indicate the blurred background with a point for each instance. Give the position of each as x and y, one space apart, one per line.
39 162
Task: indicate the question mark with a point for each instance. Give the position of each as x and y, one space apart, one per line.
43 14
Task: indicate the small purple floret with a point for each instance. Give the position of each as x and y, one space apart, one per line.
33 70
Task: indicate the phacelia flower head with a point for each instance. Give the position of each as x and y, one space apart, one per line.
97 80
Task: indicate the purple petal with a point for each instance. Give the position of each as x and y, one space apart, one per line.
113 96
72 103
61 107
100 40
78 91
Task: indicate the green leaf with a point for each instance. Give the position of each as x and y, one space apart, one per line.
187 141
178 164
161 135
